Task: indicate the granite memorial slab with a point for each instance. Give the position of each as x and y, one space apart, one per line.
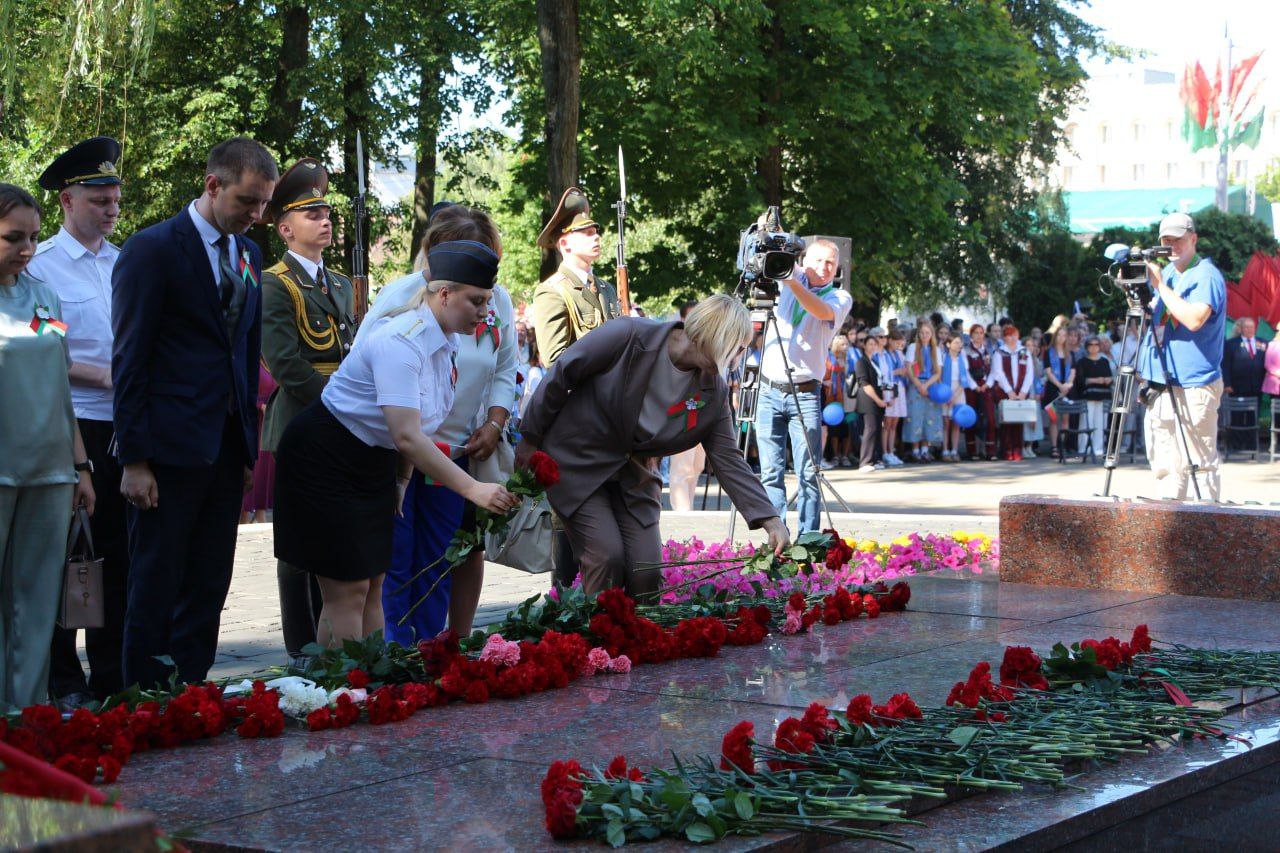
1155 547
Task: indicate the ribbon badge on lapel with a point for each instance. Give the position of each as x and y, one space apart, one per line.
43 322
688 409
246 270
488 326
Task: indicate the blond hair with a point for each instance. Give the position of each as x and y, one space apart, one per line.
717 326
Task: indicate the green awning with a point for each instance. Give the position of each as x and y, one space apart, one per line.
1093 210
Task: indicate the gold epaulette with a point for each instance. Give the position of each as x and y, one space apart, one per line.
326 368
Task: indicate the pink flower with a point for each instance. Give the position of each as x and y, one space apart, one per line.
621 664
500 652
793 624
598 660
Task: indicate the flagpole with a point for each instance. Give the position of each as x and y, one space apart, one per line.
1224 130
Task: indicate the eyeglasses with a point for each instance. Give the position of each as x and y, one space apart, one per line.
1094 344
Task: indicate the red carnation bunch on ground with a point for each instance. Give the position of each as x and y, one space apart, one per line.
1021 667
838 552
700 637
1113 654
752 626
861 711
561 797
544 468
262 714
980 688
735 748
893 598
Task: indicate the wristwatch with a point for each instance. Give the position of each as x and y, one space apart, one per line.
86 465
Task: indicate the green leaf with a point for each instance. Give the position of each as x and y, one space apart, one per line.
743 805
962 736
699 833
615 834
613 811
703 805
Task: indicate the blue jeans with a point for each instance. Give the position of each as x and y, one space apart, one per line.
777 419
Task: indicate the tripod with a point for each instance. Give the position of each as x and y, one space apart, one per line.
745 408
1124 394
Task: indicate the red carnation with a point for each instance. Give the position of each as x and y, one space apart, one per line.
358 679
1108 652
1021 668
871 606
319 720
817 721
561 796
859 710
544 468
792 737
618 769
796 602
1141 642
902 707
735 748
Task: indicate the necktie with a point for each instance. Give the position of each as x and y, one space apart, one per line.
322 280
1250 347
226 284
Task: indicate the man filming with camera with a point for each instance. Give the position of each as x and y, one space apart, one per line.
1181 360
809 311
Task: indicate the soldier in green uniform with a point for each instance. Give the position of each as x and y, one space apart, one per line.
308 327
573 301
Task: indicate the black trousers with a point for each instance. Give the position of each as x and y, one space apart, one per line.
111 543
564 564
871 422
181 553
300 605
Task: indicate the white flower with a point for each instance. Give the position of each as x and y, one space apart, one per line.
300 699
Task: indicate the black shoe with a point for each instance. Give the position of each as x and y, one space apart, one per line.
72 701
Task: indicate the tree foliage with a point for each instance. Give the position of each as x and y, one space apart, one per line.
918 129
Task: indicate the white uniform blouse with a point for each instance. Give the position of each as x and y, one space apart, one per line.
407 361
486 374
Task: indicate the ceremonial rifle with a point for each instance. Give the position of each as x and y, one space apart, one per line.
624 289
359 263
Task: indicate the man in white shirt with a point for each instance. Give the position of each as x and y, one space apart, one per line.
809 311
77 262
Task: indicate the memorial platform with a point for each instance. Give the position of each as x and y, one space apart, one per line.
466 776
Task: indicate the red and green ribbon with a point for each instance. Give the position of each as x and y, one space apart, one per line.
448 453
688 409
42 325
488 326
246 270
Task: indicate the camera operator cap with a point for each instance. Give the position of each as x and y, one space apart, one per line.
1176 225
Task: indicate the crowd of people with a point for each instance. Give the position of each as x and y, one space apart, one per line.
900 407
173 387
177 385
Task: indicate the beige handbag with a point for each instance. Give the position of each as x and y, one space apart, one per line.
527 543
81 578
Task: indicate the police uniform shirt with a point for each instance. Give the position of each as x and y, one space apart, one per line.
390 296
82 281
406 361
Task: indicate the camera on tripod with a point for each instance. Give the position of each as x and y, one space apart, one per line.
1129 264
767 255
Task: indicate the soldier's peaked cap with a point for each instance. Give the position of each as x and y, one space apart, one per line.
302 187
573 213
92 162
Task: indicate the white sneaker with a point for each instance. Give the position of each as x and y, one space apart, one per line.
827 465
892 459
1028 452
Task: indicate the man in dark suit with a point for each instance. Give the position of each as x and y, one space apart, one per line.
1243 361
187 318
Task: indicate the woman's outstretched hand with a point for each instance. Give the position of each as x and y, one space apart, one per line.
779 538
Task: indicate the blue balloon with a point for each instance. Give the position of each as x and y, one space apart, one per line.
964 416
833 414
940 393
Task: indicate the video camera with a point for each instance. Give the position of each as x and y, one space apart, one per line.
767 255
1129 264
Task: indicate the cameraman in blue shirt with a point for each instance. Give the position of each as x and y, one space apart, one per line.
1181 358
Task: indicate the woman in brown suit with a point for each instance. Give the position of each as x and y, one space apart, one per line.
618 399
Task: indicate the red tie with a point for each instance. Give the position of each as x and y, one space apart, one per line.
1250 347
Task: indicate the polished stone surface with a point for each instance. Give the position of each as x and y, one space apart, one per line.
465 776
1148 546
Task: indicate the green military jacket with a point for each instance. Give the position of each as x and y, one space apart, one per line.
305 335
565 309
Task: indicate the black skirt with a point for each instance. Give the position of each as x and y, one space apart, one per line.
335 499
